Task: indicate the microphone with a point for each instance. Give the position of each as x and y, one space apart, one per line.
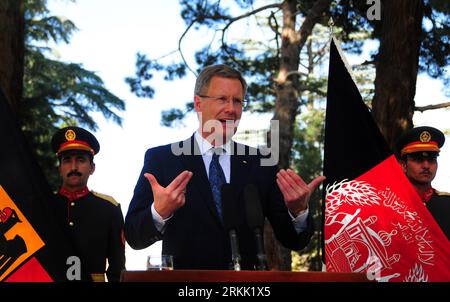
231 222
255 220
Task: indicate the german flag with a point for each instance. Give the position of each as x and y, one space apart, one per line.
32 248
374 220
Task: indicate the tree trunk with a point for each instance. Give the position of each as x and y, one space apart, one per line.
397 66
12 50
286 106
287 103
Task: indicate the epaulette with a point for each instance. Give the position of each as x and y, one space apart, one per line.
106 197
442 193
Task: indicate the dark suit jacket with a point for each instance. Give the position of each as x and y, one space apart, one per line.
439 207
195 235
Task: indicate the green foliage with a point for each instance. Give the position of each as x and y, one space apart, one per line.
307 160
57 93
435 47
175 116
145 69
258 58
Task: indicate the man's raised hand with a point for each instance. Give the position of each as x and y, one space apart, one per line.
167 200
296 192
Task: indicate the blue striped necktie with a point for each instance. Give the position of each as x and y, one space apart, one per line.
216 180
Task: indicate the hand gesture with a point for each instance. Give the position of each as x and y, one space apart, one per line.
168 200
296 193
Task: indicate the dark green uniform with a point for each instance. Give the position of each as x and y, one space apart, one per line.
439 207
94 225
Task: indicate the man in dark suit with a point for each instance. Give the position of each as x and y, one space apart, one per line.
177 197
93 222
418 149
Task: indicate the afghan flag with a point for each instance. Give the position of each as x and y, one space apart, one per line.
374 220
32 247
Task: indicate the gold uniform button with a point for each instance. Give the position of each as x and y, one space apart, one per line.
71 223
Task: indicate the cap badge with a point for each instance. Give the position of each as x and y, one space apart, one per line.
70 135
425 137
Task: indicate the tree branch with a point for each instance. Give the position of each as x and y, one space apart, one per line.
367 62
294 72
313 90
248 14
218 17
253 12
275 28
311 19
432 107
291 73
179 45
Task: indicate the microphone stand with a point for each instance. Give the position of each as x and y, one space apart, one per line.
235 256
230 221
255 220
260 254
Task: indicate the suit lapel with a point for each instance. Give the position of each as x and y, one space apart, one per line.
199 181
240 167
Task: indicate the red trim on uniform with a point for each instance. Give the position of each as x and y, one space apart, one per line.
418 146
426 196
74 195
74 145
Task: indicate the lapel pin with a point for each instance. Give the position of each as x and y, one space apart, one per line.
244 161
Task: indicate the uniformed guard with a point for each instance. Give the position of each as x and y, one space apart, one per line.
93 222
418 150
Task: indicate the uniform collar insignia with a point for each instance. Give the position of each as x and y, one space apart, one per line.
71 196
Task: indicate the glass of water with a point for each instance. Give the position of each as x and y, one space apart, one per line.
160 263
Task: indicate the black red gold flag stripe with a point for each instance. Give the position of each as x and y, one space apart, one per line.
32 247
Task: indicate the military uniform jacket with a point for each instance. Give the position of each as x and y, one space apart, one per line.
94 226
439 207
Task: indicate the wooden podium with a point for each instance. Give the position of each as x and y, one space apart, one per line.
239 276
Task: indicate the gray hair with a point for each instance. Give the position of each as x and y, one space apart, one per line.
219 70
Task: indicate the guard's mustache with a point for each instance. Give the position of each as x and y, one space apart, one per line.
75 173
